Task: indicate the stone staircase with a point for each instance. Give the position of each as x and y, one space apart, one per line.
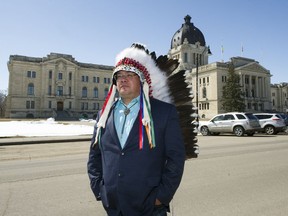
64 116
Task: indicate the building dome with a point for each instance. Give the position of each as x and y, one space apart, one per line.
188 31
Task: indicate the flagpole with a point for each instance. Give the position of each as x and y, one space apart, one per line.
222 52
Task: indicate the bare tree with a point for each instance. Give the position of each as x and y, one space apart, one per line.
3 96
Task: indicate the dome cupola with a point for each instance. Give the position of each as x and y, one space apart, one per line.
187 31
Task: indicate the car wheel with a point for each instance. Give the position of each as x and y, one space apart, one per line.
270 130
238 131
205 131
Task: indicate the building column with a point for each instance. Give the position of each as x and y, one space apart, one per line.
250 85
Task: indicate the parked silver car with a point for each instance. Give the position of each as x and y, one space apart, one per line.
234 122
271 123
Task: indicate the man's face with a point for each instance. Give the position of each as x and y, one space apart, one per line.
128 85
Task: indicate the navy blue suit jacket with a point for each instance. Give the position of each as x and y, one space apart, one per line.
129 179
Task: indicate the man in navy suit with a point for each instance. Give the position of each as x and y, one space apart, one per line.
137 153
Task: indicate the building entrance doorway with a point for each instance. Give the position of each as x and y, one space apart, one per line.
59 106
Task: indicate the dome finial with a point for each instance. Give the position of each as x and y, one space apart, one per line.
187 19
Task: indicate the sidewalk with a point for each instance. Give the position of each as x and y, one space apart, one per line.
42 139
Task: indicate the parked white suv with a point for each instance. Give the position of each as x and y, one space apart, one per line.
237 123
271 123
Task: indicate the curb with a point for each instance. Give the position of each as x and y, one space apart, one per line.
41 140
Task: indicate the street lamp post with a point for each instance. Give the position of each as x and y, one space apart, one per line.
197 80
197 99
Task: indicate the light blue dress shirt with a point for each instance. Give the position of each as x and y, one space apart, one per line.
123 123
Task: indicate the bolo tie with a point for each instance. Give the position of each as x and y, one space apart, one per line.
126 112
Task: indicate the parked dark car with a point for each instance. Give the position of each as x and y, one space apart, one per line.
285 117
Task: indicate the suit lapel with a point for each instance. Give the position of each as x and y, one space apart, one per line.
133 136
111 128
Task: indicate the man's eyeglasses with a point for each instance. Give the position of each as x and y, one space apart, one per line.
126 76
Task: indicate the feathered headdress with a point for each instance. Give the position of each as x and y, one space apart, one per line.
157 81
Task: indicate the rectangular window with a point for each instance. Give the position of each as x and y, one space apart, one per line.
96 106
33 74
30 104
85 78
49 90
60 91
246 80
185 57
30 89
70 90
84 106
49 104
96 79
50 74
70 105
60 76
29 74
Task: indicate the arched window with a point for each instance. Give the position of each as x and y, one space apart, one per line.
95 92
30 89
84 92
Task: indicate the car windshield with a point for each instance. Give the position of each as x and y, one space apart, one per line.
251 116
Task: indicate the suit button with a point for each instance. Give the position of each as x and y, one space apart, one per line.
122 153
119 174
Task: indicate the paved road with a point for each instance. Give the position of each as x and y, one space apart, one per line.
232 176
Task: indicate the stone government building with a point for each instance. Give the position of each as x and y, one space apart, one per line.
189 46
55 86
59 86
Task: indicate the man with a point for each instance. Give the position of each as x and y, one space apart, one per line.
137 153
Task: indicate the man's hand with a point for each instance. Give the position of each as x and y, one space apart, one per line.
157 202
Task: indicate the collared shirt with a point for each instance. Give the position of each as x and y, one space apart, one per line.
123 123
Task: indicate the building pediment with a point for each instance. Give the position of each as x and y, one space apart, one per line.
253 67
61 62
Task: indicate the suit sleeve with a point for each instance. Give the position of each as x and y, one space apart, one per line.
94 167
175 158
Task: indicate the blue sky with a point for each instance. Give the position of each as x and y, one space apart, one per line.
95 31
